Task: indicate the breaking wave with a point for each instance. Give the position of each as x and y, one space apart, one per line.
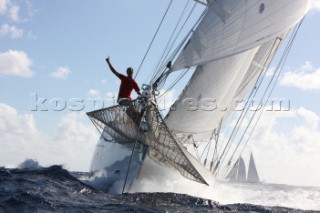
32 188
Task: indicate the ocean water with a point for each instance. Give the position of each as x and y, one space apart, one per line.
31 188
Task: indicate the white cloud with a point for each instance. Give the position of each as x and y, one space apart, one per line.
286 147
306 78
315 5
17 63
4 6
61 73
166 100
14 13
270 72
11 121
18 134
71 143
9 9
93 93
111 95
12 31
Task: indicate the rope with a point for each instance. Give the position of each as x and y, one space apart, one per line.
243 113
164 56
272 82
95 125
157 72
132 152
280 66
165 49
153 38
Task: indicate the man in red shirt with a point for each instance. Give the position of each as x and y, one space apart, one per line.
127 85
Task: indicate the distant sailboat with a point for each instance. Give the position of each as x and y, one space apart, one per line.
253 176
238 172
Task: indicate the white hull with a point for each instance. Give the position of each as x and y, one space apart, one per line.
111 161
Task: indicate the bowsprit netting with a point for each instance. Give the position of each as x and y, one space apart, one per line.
118 124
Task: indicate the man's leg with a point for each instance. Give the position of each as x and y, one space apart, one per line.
130 109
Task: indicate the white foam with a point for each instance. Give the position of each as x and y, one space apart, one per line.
29 164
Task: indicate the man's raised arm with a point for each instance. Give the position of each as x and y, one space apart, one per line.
112 68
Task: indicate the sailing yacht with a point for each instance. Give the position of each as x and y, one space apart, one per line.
228 49
238 172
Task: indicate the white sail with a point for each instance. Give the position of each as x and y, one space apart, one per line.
215 89
230 55
230 27
241 176
253 176
238 172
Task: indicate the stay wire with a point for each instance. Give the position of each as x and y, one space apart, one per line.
243 113
167 50
158 72
280 66
132 153
173 84
153 38
172 34
272 82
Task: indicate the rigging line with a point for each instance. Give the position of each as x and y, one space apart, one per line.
153 38
173 84
166 48
239 120
164 56
157 74
242 116
101 133
234 131
196 149
255 89
215 151
242 120
273 86
273 81
132 153
209 143
204 150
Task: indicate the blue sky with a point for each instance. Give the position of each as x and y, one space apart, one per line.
55 50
